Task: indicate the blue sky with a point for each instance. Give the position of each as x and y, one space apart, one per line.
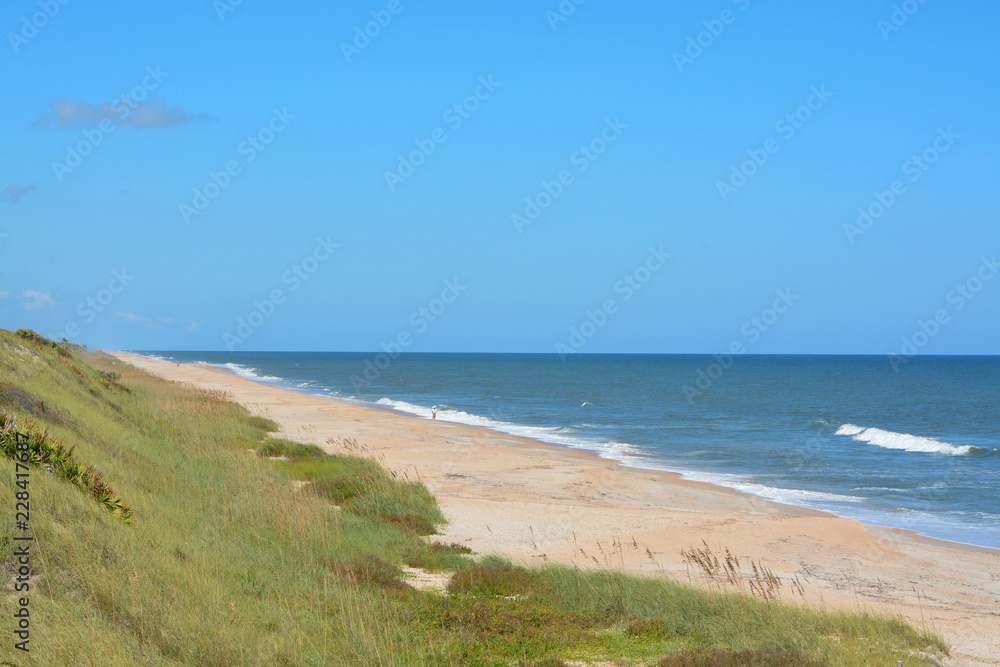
644 126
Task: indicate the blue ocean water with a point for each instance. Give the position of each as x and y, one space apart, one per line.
918 448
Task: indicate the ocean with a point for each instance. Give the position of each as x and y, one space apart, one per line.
915 447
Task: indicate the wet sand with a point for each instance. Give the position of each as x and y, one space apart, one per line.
535 502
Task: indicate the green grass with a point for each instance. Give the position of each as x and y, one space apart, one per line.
440 557
278 447
358 485
227 562
263 423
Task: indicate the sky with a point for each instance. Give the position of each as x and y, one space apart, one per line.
534 176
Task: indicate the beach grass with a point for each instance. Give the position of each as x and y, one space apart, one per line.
244 548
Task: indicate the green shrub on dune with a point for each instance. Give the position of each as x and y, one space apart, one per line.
24 441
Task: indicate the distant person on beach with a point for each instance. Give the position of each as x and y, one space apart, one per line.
338 393
434 412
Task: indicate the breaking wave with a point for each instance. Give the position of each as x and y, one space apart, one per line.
904 441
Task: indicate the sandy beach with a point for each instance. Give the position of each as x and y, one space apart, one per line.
535 502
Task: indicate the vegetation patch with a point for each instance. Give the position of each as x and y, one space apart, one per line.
510 626
14 400
438 557
371 571
275 447
263 424
655 628
54 456
61 352
41 341
110 380
721 658
496 577
359 485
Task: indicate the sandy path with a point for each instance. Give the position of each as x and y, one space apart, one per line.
531 501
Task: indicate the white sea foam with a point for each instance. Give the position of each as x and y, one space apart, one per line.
150 356
904 441
555 435
894 489
799 497
247 372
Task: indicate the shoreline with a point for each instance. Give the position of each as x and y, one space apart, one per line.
787 508
534 501
887 531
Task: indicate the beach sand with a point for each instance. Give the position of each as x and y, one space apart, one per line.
534 502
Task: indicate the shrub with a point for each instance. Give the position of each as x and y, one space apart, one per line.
264 424
40 340
275 447
495 577
46 451
741 659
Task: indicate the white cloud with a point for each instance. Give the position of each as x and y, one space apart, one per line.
36 300
140 115
13 193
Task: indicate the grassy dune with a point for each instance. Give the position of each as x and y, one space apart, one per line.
212 542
